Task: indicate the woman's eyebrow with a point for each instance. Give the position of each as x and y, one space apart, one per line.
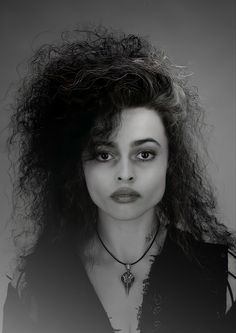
105 143
133 144
142 141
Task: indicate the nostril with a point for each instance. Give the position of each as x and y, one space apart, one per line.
125 178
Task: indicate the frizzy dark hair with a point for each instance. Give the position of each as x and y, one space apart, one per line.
75 93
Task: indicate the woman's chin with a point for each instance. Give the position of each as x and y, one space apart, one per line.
127 213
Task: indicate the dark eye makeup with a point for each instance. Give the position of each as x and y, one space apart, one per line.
141 155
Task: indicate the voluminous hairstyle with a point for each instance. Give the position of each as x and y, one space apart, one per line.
73 95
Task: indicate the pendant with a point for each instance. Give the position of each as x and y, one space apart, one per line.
127 279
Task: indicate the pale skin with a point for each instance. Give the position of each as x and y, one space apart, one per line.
127 229
135 157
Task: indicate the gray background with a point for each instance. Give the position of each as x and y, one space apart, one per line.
199 34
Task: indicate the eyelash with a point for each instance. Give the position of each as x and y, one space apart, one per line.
152 153
99 154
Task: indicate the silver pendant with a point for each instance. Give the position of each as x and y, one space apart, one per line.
127 279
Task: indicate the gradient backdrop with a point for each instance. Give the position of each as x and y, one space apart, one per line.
199 34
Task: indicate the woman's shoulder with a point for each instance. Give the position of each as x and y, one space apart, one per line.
17 282
19 311
231 287
205 252
205 263
216 260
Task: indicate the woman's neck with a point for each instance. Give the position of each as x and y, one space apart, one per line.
126 240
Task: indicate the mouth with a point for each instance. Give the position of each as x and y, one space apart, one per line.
125 195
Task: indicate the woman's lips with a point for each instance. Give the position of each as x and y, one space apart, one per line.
125 195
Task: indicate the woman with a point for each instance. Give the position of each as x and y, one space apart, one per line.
124 221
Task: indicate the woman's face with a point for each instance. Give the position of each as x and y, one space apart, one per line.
127 178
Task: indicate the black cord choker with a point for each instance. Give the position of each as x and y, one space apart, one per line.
127 278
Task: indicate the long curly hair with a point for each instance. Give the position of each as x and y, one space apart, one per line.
74 93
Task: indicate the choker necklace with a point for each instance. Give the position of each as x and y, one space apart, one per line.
127 278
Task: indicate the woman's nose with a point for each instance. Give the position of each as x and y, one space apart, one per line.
125 172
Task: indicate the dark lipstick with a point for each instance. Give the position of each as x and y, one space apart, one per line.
125 195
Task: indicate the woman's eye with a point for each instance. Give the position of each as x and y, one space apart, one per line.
104 156
146 155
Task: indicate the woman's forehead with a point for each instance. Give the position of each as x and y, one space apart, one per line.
137 124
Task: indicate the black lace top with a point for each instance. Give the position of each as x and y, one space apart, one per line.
183 294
